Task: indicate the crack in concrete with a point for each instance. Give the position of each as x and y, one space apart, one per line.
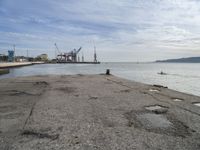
40 135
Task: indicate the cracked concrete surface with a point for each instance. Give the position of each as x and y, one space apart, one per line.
94 112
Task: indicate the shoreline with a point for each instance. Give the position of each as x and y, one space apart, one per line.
95 112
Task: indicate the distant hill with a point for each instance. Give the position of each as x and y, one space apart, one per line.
182 60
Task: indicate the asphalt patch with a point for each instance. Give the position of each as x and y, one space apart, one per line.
152 121
66 89
158 123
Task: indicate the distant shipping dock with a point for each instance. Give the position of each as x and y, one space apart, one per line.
72 57
85 62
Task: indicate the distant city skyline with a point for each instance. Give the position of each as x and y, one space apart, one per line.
123 30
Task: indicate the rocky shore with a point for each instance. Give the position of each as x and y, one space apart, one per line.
89 112
4 71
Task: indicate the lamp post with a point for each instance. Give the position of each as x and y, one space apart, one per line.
14 51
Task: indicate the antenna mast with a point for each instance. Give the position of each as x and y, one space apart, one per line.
95 54
82 57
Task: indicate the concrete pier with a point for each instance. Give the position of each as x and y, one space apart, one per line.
90 112
17 64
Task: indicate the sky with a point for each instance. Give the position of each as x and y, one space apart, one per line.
121 30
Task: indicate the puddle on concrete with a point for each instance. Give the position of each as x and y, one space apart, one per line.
154 121
177 100
197 104
153 90
158 109
155 107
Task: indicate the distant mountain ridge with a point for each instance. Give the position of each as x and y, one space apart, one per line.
182 60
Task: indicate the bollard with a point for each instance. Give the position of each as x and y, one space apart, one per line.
107 71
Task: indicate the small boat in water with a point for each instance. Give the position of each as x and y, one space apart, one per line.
162 73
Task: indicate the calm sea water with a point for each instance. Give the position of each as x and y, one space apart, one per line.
180 76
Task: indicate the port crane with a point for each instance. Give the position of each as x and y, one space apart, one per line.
67 57
59 55
74 54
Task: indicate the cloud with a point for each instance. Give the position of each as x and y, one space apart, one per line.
163 28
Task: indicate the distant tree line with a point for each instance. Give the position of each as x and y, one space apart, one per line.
182 60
